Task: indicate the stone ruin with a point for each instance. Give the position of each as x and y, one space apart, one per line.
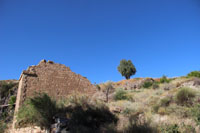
57 80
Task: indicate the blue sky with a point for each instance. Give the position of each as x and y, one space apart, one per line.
92 36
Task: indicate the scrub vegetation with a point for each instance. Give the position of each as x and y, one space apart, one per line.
142 105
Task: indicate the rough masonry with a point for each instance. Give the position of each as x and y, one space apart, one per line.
57 80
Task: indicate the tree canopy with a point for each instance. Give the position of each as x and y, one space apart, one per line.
126 68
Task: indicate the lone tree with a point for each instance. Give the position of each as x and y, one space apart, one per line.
126 68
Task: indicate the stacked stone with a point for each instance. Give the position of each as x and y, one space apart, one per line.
57 80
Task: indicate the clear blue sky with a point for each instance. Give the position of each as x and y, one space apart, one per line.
92 36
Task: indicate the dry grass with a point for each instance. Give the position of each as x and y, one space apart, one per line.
145 99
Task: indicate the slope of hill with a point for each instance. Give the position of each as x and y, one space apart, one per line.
140 105
161 104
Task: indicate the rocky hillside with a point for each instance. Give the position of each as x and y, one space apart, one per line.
158 105
143 105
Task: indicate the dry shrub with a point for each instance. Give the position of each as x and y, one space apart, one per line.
184 96
162 111
88 116
171 128
121 94
138 124
165 101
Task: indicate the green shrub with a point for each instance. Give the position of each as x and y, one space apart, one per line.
147 84
164 79
12 100
184 96
38 111
174 128
5 88
165 101
156 108
194 74
121 95
179 111
160 107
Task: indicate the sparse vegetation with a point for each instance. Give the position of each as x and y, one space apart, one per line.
82 115
196 113
138 126
147 84
78 100
94 116
90 117
167 86
162 111
188 129
126 68
194 74
184 96
165 101
161 106
127 111
87 116
6 88
121 95
164 79
155 86
172 128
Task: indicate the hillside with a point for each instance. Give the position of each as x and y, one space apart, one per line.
8 92
160 104
135 105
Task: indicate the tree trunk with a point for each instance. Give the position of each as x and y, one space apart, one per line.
127 77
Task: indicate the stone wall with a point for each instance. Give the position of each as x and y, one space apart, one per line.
57 80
